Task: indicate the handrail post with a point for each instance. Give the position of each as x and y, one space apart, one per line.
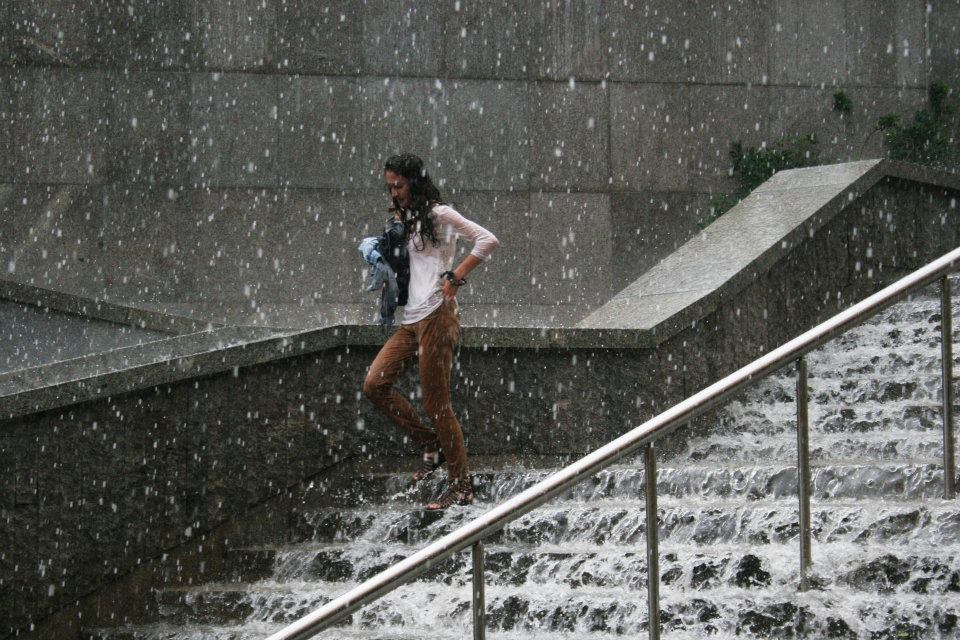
653 551
946 348
479 603
803 470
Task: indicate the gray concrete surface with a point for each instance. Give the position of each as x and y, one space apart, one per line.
33 336
127 126
41 326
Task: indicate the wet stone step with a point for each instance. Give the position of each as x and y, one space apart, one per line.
559 608
244 632
862 362
706 478
711 522
683 566
903 480
259 632
852 418
219 604
881 379
854 391
825 448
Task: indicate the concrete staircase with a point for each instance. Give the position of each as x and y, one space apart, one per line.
886 546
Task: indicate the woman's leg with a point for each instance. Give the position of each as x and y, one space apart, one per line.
439 334
390 362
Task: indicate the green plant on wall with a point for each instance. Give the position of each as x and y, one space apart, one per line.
931 138
751 167
842 103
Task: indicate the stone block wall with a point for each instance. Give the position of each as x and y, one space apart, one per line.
93 492
213 151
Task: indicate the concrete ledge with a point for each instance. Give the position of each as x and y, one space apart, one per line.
98 309
111 373
119 370
746 242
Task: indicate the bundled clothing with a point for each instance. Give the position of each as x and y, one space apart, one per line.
418 283
387 254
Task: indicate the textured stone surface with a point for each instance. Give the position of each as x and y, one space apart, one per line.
152 113
208 95
404 38
6 125
50 237
810 45
321 132
651 145
400 114
483 137
886 43
233 124
488 40
316 38
229 243
571 248
647 225
92 505
742 33
317 232
156 35
651 42
880 232
944 33
718 117
142 249
64 131
7 34
235 35
799 111
121 365
505 278
53 32
569 40
569 142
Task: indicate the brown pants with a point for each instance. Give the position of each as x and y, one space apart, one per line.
432 340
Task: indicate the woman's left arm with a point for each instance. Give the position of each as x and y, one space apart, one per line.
484 242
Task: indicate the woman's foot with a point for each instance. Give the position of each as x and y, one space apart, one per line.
430 462
458 492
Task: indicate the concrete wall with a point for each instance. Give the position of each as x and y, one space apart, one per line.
211 152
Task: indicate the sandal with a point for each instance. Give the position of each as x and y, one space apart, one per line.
458 492
428 464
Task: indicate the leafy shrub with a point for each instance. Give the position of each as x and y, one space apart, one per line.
842 103
930 139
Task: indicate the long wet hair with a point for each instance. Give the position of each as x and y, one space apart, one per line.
424 195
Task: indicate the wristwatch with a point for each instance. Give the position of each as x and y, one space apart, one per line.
452 277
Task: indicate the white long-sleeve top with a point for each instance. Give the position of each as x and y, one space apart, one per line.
425 293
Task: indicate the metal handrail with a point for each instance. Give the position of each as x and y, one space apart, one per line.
474 532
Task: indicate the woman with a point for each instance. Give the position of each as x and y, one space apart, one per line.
431 326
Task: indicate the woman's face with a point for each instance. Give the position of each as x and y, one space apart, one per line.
399 189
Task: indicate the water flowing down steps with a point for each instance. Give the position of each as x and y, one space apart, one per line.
886 545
